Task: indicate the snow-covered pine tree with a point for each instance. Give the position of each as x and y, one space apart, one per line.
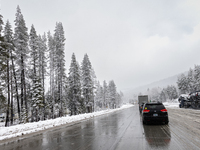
99 98
8 46
42 65
197 77
36 86
5 66
34 51
94 81
3 56
8 36
171 92
37 99
182 84
74 86
51 50
3 53
60 75
162 96
190 79
105 95
87 84
21 43
112 94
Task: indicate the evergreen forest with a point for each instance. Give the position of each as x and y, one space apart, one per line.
34 84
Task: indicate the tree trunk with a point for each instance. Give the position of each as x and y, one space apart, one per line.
8 86
16 88
11 100
26 105
22 86
44 115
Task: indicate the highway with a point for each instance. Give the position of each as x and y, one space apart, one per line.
121 130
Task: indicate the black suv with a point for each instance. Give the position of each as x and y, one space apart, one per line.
154 113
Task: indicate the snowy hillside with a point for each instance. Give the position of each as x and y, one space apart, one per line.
162 83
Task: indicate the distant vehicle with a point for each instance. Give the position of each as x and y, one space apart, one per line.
154 113
190 101
142 99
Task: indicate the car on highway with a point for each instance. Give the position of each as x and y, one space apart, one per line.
154 113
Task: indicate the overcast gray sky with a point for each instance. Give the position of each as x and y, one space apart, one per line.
133 42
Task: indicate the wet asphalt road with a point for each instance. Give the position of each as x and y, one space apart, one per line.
121 130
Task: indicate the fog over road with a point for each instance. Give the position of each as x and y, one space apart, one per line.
121 130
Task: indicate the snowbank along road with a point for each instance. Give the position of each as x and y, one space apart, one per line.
117 131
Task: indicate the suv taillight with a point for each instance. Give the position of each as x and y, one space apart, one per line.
163 110
146 111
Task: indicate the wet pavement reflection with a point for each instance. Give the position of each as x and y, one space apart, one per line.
157 136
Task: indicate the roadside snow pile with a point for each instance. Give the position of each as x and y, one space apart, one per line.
172 103
22 129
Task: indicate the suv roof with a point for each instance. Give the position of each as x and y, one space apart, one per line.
154 103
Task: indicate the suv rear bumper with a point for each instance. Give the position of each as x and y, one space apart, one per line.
155 119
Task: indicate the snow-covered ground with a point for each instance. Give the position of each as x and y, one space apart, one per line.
172 103
22 129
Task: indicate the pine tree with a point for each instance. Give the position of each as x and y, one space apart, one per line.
9 47
171 92
59 64
74 82
190 79
197 77
35 73
112 94
162 96
8 35
105 95
3 57
51 50
21 43
87 83
182 84
99 98
4 66
37 100
34 54
44 59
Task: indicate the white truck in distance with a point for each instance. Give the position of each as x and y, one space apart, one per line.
141 100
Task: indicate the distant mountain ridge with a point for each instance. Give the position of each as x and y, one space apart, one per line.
162 84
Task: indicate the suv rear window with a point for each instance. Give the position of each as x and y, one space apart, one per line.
155 106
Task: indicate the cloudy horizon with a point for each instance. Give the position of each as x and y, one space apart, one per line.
131 42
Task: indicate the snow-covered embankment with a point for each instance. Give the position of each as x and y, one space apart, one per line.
172 103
